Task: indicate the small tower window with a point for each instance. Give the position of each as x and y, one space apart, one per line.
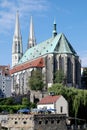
15 57
18 47
19 58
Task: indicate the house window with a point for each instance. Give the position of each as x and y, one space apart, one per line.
61 109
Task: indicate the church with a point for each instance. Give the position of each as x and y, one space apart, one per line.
49 56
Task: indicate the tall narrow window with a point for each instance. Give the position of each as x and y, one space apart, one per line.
61 63
18 47
69 70
61 109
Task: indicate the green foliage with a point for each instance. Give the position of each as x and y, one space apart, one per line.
9 105
85 98
84 78
36 82
7 101
33 105
76 104
25 101
11 108
59 77
14 108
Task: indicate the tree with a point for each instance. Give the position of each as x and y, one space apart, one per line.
59 77
77 99
25 101
36 80
84 79
9 101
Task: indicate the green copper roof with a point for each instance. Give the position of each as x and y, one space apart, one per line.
64 46
58 44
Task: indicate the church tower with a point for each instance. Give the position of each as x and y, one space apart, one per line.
17 49
31 40
54 29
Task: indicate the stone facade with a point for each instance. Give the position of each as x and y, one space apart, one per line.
35 122
53 62
40 122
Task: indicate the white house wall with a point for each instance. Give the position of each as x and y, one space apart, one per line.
61 102
47 106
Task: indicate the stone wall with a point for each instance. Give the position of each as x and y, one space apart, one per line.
50 122
35 122
39 122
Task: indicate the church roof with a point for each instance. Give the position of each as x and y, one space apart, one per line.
58 44
35 63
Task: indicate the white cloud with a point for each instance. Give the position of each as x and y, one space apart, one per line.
8 10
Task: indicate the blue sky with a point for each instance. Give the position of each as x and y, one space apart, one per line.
70 16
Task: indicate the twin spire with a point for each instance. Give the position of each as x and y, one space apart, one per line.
31 39
17 33
17 47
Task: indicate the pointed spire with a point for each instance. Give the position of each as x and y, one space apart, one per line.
32 40
17 47
54 29
17 32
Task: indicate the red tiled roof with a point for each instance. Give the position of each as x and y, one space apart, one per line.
49 99
35 63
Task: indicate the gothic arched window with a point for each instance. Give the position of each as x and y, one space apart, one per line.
18 47
69 70
61 63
